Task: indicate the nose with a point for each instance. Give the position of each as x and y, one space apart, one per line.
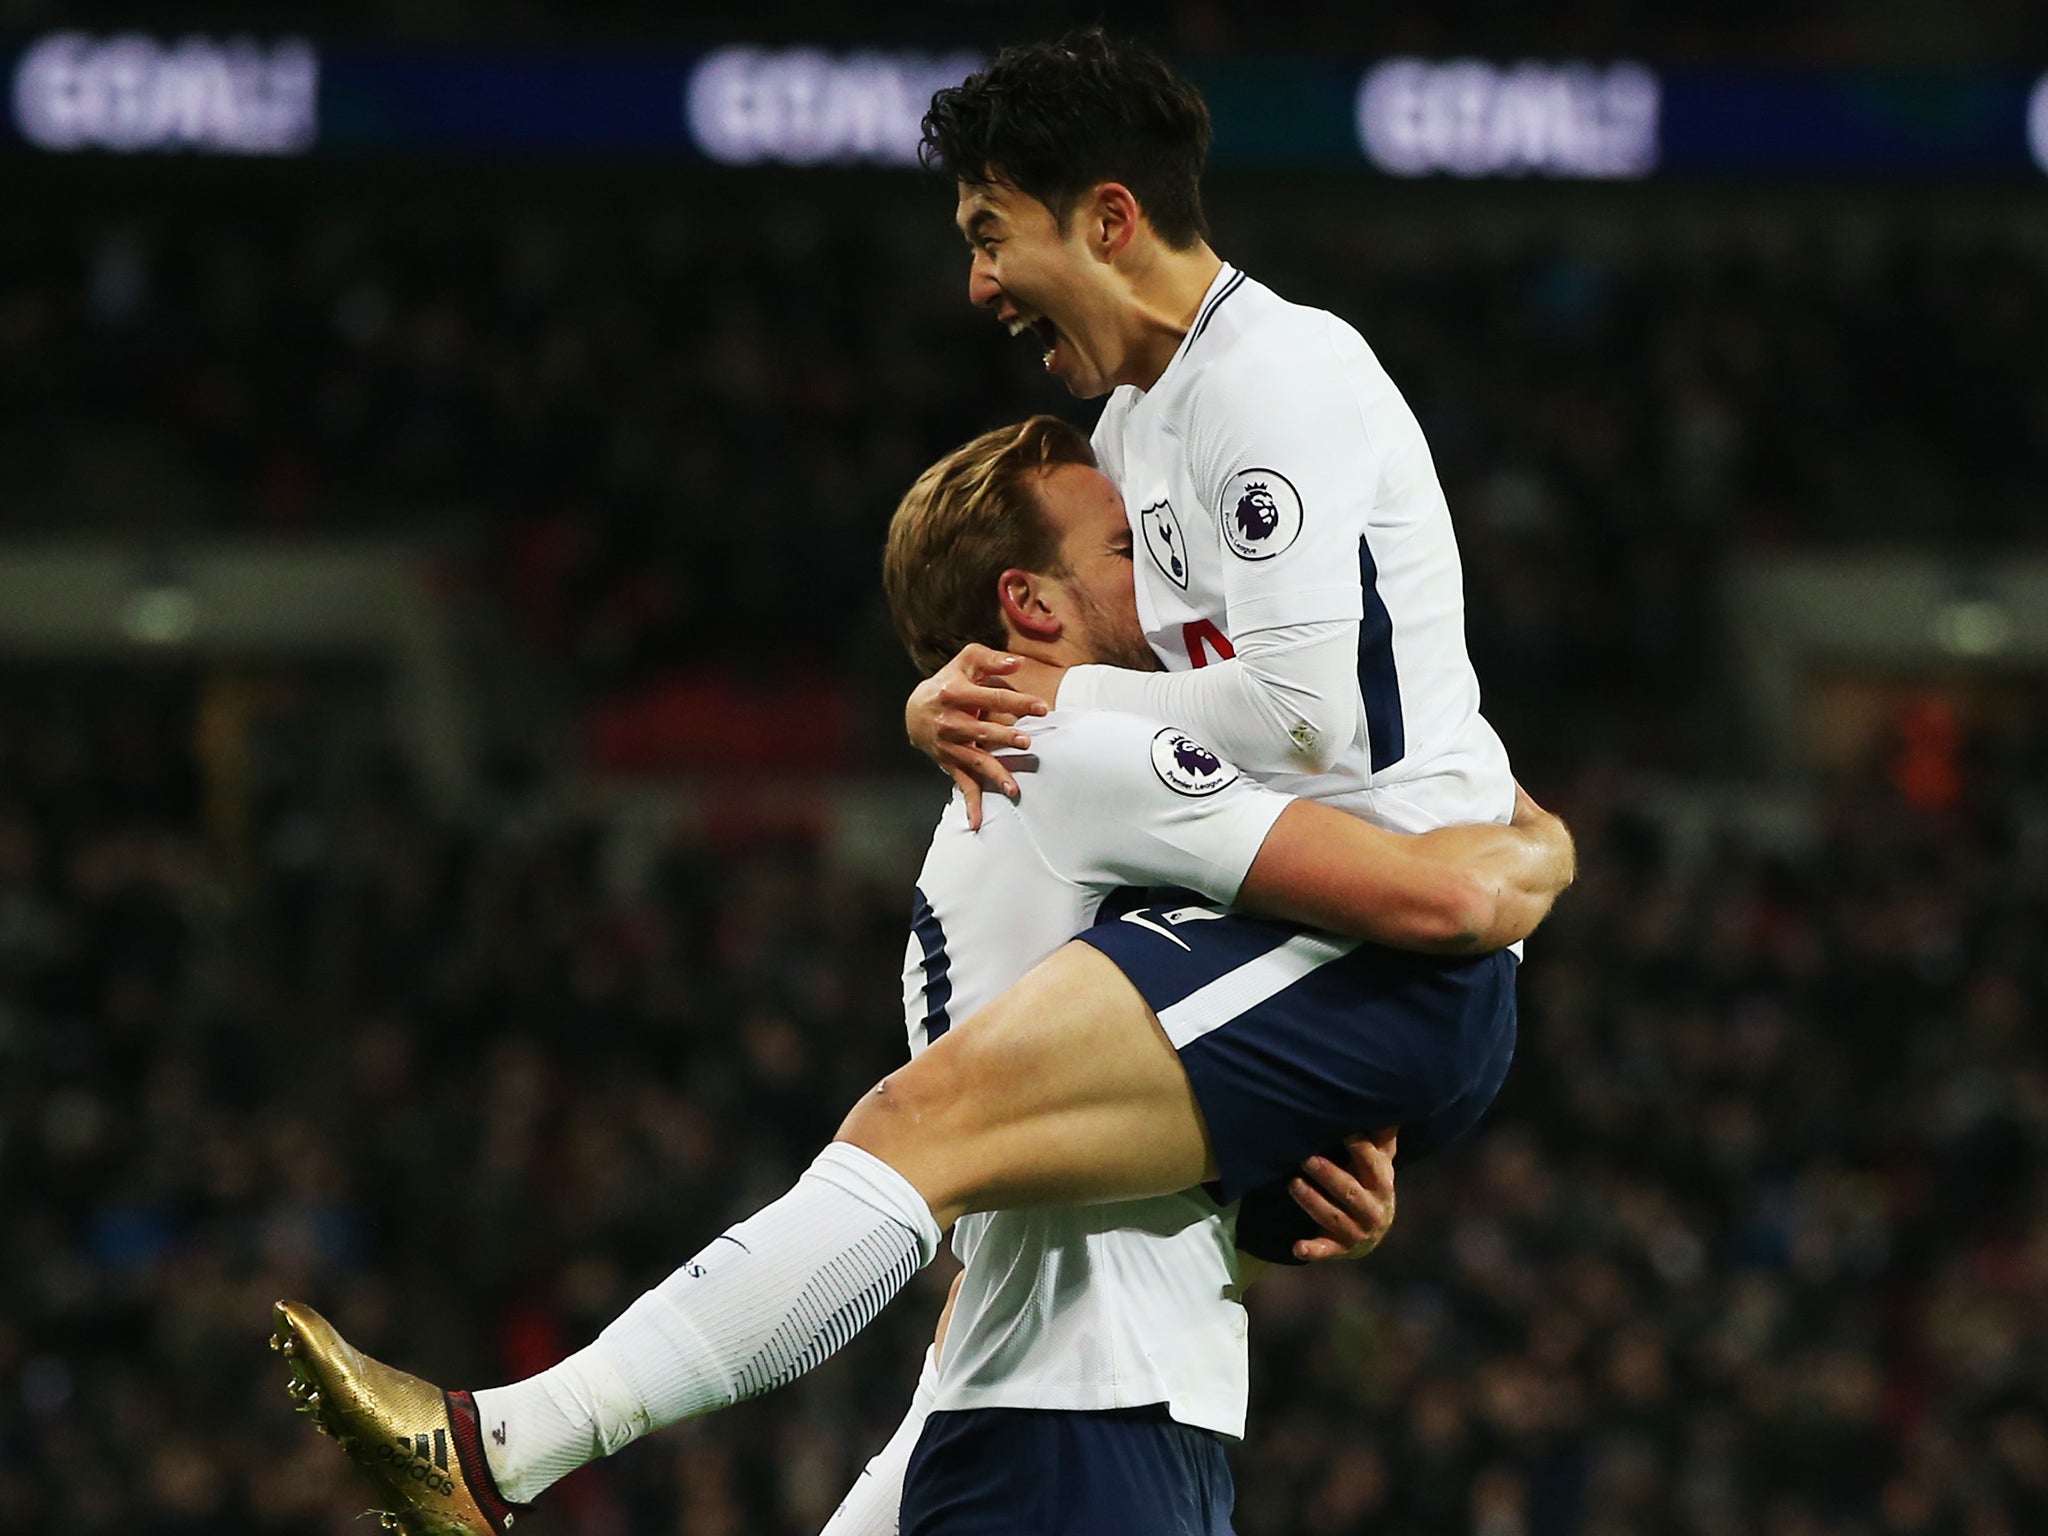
982 288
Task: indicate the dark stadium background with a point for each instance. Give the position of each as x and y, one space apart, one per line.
455 832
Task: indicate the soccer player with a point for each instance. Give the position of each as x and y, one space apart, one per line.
1067 1088
1298 575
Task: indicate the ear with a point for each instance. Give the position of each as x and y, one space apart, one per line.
1113 218
1022 597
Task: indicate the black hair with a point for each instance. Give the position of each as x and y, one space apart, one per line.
1055 119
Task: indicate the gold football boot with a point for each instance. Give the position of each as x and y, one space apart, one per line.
420 1447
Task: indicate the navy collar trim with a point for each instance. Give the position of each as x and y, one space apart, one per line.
1209 311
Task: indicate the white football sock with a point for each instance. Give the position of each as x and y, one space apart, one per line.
764 1303
874 1505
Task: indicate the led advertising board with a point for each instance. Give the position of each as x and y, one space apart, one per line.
1468 118
132 93
75 92
804 106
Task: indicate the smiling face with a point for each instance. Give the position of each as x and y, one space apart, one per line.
1043 281
1094 590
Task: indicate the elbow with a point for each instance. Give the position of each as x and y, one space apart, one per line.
1556 863
1319 736
1307 697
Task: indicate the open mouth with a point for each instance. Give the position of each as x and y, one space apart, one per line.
1039 329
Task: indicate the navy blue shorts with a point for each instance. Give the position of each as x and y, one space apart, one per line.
1293 1039
1046 1472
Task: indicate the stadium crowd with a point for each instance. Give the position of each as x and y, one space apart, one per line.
594 405
1755 1243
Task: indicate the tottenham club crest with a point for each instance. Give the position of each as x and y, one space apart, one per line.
1261 514
1187 767
1162 536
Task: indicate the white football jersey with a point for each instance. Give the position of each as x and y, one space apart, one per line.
1274 476
1102 1306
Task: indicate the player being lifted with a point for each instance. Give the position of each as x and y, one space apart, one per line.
1158 1054
1298 575
1297 571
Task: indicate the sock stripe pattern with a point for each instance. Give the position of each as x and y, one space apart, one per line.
808 1337
764 1303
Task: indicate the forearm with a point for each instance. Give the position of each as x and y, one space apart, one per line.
1458 890
1326 869
1287 703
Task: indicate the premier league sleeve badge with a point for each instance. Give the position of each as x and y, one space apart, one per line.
1261 514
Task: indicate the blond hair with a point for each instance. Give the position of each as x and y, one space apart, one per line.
969 518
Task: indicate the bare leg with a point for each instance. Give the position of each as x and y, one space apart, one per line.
1064 1091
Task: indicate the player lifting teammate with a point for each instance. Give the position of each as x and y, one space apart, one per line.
1094 1362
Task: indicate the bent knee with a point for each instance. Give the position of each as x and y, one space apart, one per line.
921 1101
921 1122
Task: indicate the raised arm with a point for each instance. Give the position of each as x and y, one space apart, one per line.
1454 891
